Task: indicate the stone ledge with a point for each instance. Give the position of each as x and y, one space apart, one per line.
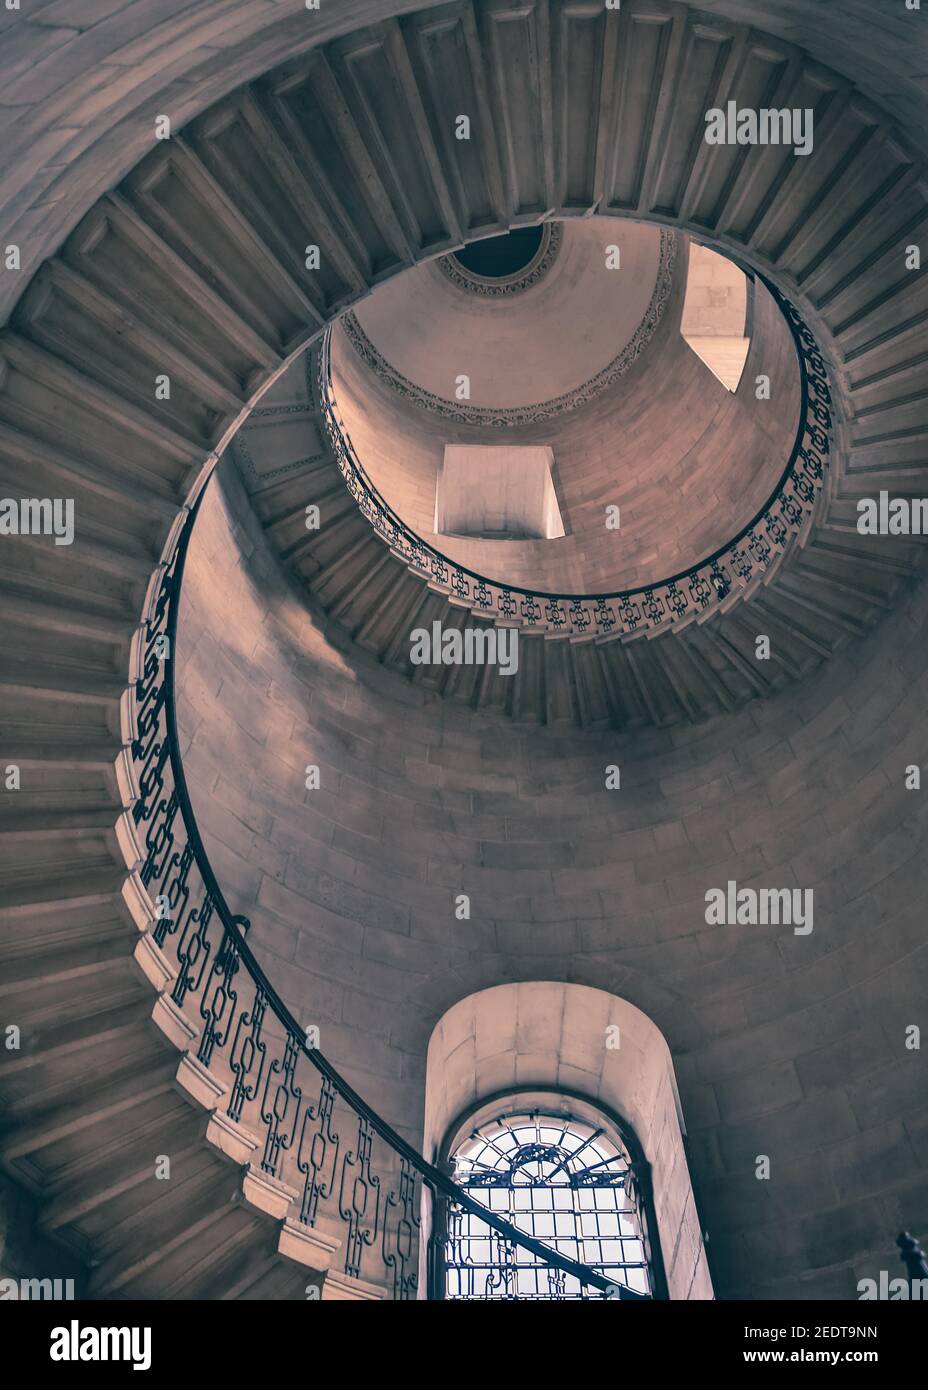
266 1194
339 1287
306 1246
232 1141
198 1083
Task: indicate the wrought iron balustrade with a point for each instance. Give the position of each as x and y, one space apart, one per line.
688 596
355 1180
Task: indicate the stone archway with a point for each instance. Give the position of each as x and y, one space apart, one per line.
542 1037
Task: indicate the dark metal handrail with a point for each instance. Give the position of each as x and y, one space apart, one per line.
218 979
688 595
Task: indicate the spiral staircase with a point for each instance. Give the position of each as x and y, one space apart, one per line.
194 267
371 576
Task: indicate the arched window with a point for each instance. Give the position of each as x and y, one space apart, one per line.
569 1182
573 1061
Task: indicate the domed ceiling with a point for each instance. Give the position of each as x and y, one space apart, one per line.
426 328
590 363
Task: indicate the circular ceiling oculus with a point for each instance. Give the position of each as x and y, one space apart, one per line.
504 265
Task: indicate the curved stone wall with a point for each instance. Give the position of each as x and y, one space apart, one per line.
786 1045
687 462
545 343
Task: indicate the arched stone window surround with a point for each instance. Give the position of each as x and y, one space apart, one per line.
544 1037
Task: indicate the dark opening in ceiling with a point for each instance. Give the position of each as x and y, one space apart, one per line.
499 256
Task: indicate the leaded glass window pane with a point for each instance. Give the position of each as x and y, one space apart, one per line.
560 1180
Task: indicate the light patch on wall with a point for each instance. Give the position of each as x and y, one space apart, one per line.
715 320
497 492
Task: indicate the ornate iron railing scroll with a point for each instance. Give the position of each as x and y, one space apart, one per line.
690 595
354 1180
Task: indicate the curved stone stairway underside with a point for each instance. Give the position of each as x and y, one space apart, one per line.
194 267
113 72
810 601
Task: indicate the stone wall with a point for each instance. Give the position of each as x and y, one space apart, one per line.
687 462
512 348
790 1046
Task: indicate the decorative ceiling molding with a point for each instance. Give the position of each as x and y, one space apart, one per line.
502 287
496 416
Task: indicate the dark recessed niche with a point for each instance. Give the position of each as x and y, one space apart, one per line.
498 257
